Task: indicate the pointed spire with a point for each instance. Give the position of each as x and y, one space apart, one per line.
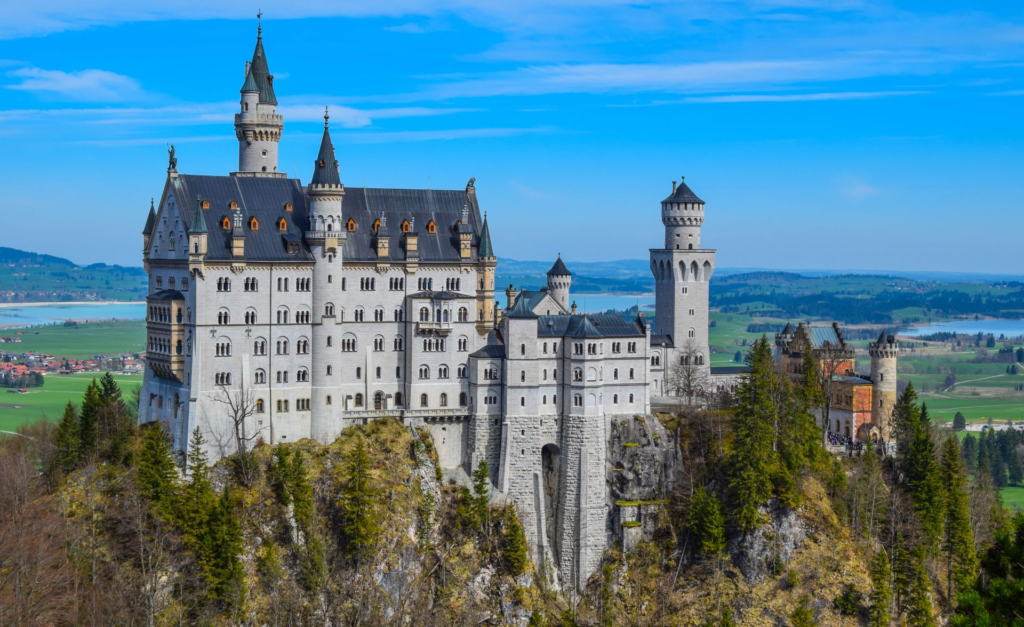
325 170
559 268
259 75
198 221
485 249
150 220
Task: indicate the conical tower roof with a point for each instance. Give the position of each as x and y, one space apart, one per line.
150 220
198 221
325 170
559 268
259 75
883 338
485 249
683 193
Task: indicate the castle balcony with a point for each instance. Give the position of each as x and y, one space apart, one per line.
166 366
434 328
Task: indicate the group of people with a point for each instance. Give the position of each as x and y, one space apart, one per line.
839 440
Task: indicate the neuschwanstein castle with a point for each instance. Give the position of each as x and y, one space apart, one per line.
331 305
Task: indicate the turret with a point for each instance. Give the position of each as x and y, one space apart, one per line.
258 127
488 311
510 296
682 213
147 231
559 282
884 353
326 194
197 235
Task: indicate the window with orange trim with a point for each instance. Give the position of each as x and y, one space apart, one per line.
287 206
282 225
254 225
431 227
376 226
206 204
405 226
225 224
351 225
233 205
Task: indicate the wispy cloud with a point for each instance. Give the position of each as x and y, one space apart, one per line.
350 117
86 85
854 188
841 95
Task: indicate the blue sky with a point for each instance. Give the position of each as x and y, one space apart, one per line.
839 134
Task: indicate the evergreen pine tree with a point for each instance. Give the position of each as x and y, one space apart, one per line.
221 547
871 492
109 390
803 614
360 524
301 492
752 461
481 494
921 472
902 573
919 603
905 417
958 544
155 469
880 608
707 523
88 421
959 422
66 445
197 497
514 547
969 450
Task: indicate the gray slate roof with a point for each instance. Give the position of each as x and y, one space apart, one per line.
259 197
683 193
198 222
606 325
494 348
166 295
486 250
559 268
420 206
820 336
520 309
259 73
532 297
727 370
662 339
845 378
325 168
150 220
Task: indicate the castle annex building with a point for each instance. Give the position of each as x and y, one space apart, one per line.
294 311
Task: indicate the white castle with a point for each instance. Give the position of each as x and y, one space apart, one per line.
328 306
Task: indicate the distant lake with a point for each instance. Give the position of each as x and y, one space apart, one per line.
997 327
596 303
33 315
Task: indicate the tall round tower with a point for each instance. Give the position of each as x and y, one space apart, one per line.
559 282
258 127
326 240
883 353
682 274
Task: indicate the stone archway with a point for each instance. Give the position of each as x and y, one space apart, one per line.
551 465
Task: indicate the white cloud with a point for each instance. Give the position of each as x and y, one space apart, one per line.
839 95
350 117
443 135
86 85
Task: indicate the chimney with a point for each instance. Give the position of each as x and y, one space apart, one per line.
673 187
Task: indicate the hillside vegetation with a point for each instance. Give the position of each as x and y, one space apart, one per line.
762 528
32 277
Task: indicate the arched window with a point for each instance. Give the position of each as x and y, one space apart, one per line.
630 399
431 227
329 309
522 349
615 399
282 225
442 372
225 224
463 314
424 314
376 225
424 372
444 400
259 406
359 400
398 399
423 400
462 399
254 224
330 370
405 226
351 226
631 374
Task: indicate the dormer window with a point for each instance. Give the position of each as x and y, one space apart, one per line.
254 225
293 248
351 225
376 226
282 225
225 224
233 205
287 206
321 162
431 227
206 204
405 226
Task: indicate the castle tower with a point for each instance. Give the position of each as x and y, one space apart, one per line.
257 125
326 239
682 271
559 282
884 353
485 293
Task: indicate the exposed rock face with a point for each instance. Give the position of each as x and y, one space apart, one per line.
641 469
756 553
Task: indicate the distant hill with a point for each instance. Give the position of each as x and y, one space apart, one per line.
29 277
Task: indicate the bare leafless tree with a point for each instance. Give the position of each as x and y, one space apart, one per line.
689 376
830 359
240 403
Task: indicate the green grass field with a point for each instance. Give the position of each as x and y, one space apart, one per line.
83 341
48 401
730 332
